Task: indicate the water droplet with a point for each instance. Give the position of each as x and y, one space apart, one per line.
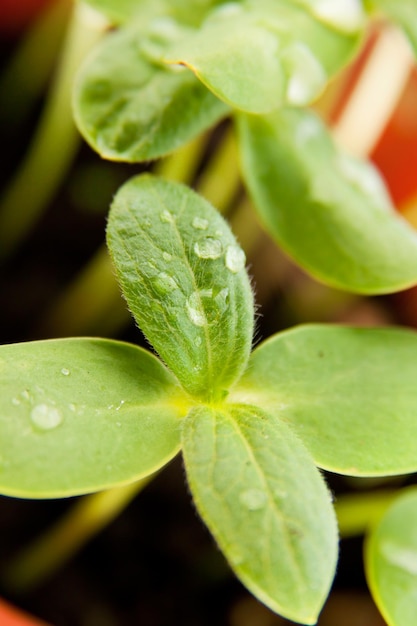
166 217
365 178
253 499
345 15
72 407
306 76
235 259
25 394
195 309
403 557
208 248
167 256
65 371
200 223
198 341
206 306
119 406
164 283
15 401
46 417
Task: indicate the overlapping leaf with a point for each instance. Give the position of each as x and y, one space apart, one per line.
183 276
330 212
391 561
258 55
259 493
80 415
131 109
348 393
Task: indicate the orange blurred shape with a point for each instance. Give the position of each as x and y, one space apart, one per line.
9 616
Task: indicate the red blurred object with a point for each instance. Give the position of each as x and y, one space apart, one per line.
396 152
9 616
16 15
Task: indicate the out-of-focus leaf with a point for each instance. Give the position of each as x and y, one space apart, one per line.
391 561
329 212
130 109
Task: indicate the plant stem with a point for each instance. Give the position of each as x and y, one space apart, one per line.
54 144
20 87
358 512
376 94
220 180
60 543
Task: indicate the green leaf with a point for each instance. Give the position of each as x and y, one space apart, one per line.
258 491
350 394
236 58
328 211
257 55
130 109
80 415
186 11
183 276
403 12
391 561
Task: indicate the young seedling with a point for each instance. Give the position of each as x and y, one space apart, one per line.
80 415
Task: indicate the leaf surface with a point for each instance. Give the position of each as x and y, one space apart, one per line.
183 276
391 561
350 394
186 11
329 212
130 109
80 415
258 491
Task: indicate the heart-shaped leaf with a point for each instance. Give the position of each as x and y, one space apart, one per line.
80 415
328 211
350 394
257 489
183 276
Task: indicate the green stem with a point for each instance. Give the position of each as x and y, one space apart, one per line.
358 512
220 181
84 306
19 87
60 543
53 146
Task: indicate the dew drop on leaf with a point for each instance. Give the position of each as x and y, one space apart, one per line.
253 499
235 259
167 256
403 557
205 307
164 283
65 371
166 217
46 417
208 248
200 223
345 15
306 75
